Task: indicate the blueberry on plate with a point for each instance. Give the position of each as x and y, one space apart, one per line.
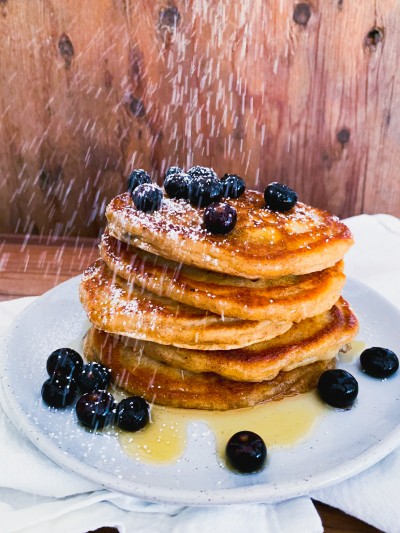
338 388
379 362
132 413
64 361
177 185
220 218
94 376
173 170
147 197
137 177
59 391
246 451
96 409
279 197
233 186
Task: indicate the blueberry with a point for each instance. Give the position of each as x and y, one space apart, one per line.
220 219
233 186
96 409
379 362
147 197
173 170
205 191
338 388
59 391
137 177
94 376
132 413
177 185
65 361
279 197
202 172
246 451
205 188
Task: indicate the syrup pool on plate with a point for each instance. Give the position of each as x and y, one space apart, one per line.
280 424
354 350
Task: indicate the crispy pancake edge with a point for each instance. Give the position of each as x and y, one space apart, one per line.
309 341
166 385
116 307
297 297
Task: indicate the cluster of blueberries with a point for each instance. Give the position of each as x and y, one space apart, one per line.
202 188
96 408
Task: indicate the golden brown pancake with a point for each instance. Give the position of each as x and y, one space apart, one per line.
293 297
263 243
117 307
314 339
165 385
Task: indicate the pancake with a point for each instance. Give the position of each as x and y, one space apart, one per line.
296 297
157 382
117 307
263 243
314 339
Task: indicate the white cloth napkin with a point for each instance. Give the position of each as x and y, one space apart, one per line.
37 495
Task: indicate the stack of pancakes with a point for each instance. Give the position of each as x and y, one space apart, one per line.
190 319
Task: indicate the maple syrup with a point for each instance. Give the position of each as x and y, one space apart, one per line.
355 349
280 424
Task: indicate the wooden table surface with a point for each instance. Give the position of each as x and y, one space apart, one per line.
29 266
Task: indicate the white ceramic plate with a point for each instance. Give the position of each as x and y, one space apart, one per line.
343 443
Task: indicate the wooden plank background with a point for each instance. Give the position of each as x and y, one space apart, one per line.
307 93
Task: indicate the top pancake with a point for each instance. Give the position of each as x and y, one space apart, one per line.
263 243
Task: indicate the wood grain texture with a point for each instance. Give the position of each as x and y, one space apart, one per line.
302 92
30 266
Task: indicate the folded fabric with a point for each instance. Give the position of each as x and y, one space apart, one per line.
81 513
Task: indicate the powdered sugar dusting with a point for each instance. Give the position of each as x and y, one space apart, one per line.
257 246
